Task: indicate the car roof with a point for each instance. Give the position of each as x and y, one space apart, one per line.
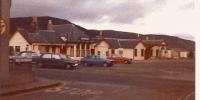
27 52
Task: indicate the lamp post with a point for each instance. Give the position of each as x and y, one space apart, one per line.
4 39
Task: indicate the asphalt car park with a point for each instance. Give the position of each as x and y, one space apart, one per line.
141 80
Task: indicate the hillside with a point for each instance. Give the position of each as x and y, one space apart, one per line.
25 22
173 42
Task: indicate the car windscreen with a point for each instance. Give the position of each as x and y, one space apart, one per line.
98 57
54 56
46 56
64 57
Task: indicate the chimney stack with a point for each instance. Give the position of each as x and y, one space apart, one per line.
147 38
34 24
101 34
50 25
138 35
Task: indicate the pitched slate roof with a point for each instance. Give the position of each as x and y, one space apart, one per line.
68 31
130 43
25 22
111 34
152 42
43 36
119 43
114 43
71 32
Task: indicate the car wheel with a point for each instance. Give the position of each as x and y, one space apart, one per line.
105 65
68 66
85 64
126 62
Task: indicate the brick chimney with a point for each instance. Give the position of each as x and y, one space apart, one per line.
147 38
50 25
34 24
138 35
101 35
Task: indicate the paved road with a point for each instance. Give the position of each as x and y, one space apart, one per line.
93 84
82 85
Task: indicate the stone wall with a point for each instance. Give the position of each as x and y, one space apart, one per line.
19 75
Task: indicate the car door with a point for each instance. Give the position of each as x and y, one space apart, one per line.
116 58
46 59
98 60
90 60
57 61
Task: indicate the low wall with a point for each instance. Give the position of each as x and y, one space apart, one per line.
19 74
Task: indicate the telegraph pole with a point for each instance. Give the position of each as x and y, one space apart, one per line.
4 39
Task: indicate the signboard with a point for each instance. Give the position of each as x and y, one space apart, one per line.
2 26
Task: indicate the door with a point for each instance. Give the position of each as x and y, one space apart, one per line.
98 61
92 52
47 60
148 53
57 61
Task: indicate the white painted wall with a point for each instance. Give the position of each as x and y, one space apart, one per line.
103 47
139 47
169 54
154 48
184 54
18 40
128 53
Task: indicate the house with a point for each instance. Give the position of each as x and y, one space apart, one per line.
60 36
155 49
130 48
177 53
136 49
66 39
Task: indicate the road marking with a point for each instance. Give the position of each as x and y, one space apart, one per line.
73 91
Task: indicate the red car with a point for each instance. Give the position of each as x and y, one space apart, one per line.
120 59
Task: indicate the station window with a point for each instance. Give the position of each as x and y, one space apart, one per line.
157 52
17 48
142 52
107 53
135 52
72 51
99 53
113 51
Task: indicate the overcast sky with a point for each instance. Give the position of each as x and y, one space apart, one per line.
172 17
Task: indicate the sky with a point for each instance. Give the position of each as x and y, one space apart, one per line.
170 17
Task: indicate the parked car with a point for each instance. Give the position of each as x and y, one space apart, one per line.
22 57
96 60
55 60
120 59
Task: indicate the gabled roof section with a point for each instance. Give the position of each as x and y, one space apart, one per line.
60 34
113 42
111 34
129 43
25 22
71 32
119 43
152 42
43 36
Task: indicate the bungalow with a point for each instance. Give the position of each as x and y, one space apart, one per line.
65 39
155 49
177 53
135 49
130 48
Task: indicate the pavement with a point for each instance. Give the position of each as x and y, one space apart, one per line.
39 83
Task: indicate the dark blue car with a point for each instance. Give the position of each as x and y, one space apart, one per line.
96 60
